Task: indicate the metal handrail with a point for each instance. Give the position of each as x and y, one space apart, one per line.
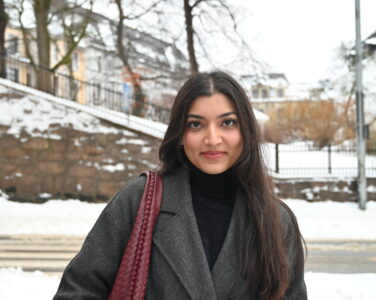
97 94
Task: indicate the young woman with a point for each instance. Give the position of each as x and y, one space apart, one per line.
221 233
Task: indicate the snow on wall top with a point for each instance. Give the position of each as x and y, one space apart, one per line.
48 109
35 116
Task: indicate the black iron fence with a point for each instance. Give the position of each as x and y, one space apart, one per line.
99 95
306 160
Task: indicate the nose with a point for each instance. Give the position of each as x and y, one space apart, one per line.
213 136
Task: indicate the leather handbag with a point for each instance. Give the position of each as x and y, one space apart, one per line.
132 275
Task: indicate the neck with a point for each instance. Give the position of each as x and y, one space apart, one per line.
221 187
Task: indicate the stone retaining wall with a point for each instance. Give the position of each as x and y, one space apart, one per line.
342 190
67 163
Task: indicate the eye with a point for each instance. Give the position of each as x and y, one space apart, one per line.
194 124
229 122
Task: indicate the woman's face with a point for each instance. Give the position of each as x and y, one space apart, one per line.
212 139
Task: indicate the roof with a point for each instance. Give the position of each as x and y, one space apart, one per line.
260 116
269 79
371 37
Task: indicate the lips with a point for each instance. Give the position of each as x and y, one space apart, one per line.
213 154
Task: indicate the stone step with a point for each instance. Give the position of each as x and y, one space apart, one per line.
18 255
34 264
51 254
48 254
41 237
37 248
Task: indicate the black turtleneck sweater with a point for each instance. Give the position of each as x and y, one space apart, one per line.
213 198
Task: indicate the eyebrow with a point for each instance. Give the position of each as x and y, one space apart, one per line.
218 117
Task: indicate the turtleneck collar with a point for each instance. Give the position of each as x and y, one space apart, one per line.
220 187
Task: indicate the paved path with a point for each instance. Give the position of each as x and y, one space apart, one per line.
50 254
342 257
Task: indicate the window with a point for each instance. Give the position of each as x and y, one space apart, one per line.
255 93
12 74
265 93
12 44
280 93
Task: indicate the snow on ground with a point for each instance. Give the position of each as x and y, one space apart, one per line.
320 286
18 285
334 220
69 217
73 217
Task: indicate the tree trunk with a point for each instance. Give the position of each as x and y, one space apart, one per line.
138 94
190 41
3 25
41 11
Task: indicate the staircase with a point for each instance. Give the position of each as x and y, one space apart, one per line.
49 254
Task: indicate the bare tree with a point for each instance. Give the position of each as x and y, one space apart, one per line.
123 52
320 121
74 26
3 25
207 20
41 12
199 26
190 33
44 13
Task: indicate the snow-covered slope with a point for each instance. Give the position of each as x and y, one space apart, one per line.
48 101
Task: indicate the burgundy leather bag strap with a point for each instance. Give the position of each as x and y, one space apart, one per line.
132 276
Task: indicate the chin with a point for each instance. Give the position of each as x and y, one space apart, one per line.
213 169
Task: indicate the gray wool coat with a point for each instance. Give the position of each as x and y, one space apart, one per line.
178 267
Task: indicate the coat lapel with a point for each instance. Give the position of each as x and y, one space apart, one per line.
177 237
225 273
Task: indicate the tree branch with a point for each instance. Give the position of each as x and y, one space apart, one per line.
25 36
134 17
197 3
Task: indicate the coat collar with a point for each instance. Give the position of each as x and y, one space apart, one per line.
177 237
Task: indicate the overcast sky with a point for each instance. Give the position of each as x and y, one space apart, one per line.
299 37
296 37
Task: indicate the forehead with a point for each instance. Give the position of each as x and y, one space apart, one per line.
213 105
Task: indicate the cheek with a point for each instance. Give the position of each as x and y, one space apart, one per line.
190 141
235 140
240 141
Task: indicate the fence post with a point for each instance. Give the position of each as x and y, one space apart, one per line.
97 99
56 85
3 62
277 158
329 158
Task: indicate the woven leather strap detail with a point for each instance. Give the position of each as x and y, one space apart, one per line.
132 276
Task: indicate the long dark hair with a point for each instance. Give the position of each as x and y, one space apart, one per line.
260 235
